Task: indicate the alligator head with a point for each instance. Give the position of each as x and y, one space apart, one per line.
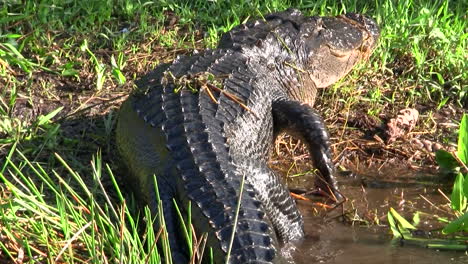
331 46
321 49
327 48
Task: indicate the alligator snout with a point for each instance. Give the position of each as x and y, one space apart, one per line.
369 26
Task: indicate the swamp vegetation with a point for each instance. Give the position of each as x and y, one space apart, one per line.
66 66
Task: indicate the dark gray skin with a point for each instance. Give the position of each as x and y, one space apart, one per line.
203 139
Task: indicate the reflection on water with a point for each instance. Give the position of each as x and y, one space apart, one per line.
335 242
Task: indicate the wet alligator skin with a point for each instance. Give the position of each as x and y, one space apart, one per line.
201 144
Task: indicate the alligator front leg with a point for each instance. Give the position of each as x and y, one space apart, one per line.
304 122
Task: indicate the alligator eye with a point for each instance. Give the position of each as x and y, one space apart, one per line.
259 43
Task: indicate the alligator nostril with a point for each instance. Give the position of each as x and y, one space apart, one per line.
370 24
372 27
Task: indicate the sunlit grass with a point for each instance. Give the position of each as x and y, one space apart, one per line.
51 218
423 43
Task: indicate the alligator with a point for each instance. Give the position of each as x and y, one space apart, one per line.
199 130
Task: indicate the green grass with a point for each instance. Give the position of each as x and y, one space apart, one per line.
69 221
424 43
48 217
65 66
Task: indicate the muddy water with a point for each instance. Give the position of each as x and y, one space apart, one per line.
332 238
